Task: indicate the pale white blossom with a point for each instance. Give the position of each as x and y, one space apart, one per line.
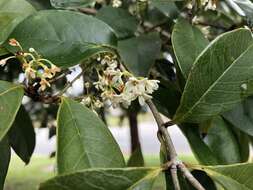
116 3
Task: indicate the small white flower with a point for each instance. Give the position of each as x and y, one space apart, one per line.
210 6
32 50
86 101
98 104
3 62
44 84
116 3
30 72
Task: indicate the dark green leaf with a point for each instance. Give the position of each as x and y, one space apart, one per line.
232 177
168 8
188 42
5 155
139 54
22 135
222 142
123 23
68 4
161 97
10 100
41 4
64 37
220 78
242 116
136 159
12 12
107 179
83 140
200 150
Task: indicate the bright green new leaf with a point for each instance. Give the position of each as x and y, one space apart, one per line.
222 142
123 23
64 37
12 12
107 179
220 78
139 54
231 177
83 140
22 135
188 42
10 100
5 156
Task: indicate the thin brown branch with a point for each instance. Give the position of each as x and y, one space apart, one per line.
70 84
171 151
89 11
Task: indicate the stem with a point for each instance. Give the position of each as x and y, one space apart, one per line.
70 84
171 151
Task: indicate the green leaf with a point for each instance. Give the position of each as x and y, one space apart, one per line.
246 7
200 150
168 8
10 100
222 142
241 116
5 152
136 159
232 177
41 4
188 42
83 140
139 54
68 4
22 135
3 51
123 23
219 79
111 179
64 37
12 12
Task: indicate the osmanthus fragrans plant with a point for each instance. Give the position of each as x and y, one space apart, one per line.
191 61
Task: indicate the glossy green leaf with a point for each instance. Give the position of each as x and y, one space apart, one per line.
83 140
41 4
139 54
136 159
12 12
220 78
232 177
10 100
222 142
108 179
241 116
22 135
64 37
200 150
3 51
242 7
5 155
188 42
168 8
68 4
123 23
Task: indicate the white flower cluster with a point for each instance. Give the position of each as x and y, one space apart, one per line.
207 4
121 87
33 65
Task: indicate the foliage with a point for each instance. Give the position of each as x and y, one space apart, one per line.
193 59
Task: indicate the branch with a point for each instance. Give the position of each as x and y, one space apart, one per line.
171 151
70 84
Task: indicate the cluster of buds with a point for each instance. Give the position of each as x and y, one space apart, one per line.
207 4
120 87
33 65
